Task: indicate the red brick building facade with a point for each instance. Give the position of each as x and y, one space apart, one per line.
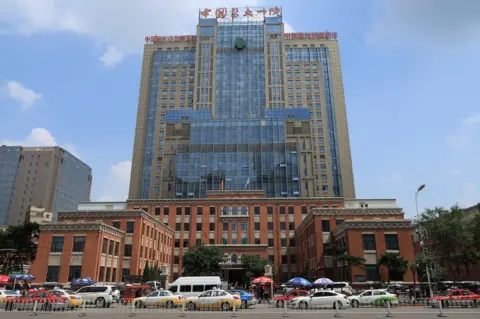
104 245
364 232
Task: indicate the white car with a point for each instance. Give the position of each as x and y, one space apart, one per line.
214 299
100 296
162 298
75 300
376 297
321 299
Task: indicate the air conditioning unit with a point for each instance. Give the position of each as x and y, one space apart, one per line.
165 270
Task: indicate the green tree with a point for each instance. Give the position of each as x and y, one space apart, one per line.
203 261
451 237
395 264
254 266
147 272
18 246
340 256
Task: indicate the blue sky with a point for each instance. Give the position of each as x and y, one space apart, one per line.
70 72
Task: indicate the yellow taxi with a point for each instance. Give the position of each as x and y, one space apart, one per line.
74 299
163 298
214 299
7 294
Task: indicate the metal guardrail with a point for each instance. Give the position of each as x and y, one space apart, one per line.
336 309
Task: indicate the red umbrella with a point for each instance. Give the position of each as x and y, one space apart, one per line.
4 279
262 281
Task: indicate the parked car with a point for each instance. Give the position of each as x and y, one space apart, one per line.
287 297
246 298
456 297
321 299
7 294
45 302
213 299
100 296
74 299
162 298
375 297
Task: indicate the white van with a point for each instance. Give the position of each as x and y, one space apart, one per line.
194 286
342 288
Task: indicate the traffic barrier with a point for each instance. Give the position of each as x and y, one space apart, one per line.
389 311
83 313
285 310
34 312
233 311
183 314
440 307
132 314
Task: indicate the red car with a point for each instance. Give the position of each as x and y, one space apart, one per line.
457 297
44 299
280 300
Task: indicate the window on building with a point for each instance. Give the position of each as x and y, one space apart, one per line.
291 226
244 226
185 243
52 273
257 210
130 227
284 259
225 226
199 211
101 274
270 210
74 272
372 272
179 211
187 211
117 245
212 211
257 226
325 225
257 241
211 241
186 226
234 226
270 242
338 222
292 242
270 226
105 246
291 210
178 226
57 244
199 226
271 258
177 243
282 210
176 260
212 226
304 210
127 251
111 246
78 244
283 242
368 241
116 224
391 241
166 211
283 226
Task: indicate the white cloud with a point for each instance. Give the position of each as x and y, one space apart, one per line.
473 119
459 141
424 22
19 93
122 25
111 57
115 186
40 137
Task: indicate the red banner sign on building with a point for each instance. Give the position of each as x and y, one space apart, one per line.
160 39
311 35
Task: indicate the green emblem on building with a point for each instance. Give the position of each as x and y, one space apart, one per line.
239 44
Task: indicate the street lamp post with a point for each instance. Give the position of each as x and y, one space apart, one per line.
422 237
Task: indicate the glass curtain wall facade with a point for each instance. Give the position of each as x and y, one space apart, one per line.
241 105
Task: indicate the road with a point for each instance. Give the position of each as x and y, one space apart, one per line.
260 312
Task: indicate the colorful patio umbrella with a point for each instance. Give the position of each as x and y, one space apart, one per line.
4 279
262 281
82 281
22 277
298 281
322 282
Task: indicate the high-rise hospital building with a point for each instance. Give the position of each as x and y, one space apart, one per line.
241 105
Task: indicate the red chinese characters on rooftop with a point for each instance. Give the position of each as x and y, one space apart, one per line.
160 39
240 13
311 35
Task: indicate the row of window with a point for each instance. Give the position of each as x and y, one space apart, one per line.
369 242
53 273
166 210
305 66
